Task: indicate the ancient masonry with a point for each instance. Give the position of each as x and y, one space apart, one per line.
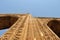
27 27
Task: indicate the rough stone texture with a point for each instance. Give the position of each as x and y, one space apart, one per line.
26 27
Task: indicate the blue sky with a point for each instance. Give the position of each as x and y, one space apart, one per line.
42 8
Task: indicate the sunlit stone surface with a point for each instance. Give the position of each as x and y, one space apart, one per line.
26 27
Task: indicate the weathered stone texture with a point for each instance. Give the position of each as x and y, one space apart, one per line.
26 27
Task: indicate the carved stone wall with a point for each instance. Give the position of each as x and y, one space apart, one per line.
27 27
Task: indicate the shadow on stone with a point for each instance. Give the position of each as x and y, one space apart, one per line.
7 21
55 26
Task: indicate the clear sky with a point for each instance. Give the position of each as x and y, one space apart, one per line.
42 8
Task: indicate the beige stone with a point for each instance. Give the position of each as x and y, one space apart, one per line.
26 27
